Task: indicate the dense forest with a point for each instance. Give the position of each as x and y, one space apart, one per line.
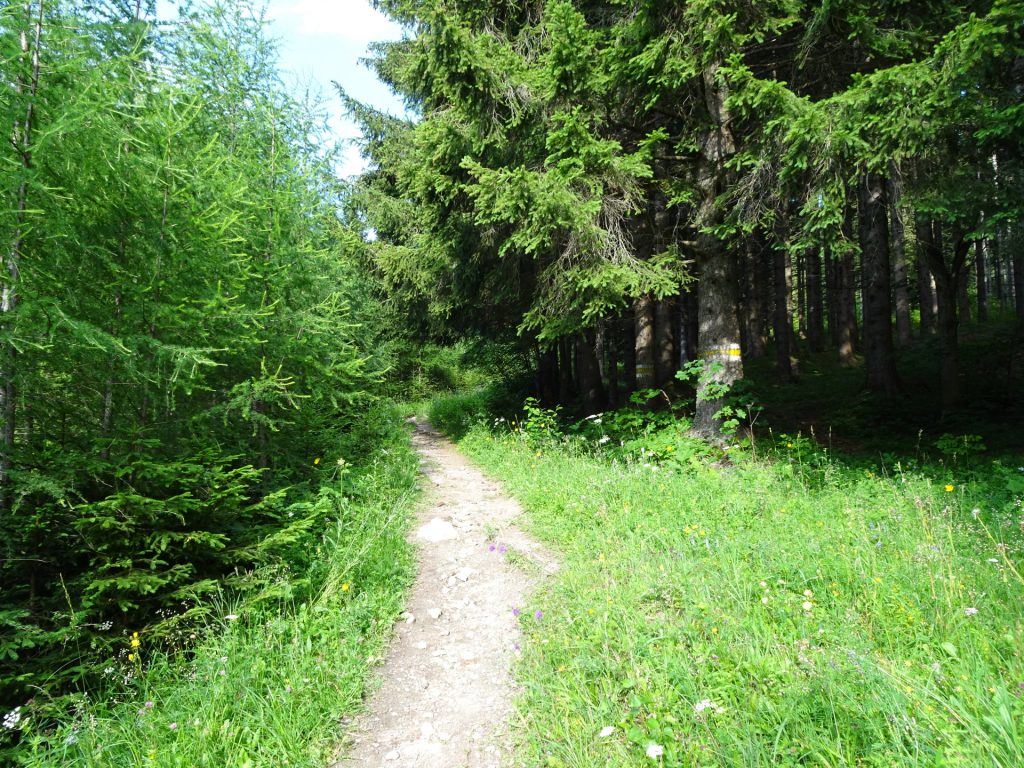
632 186
611 204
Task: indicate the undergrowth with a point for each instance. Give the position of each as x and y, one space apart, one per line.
779 609
262 680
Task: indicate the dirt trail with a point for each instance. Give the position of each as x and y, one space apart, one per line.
447 688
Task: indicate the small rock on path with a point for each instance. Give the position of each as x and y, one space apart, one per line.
447 688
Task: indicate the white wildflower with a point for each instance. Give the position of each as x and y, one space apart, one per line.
607 731
231 616
654 751
970 611
12 718
704 705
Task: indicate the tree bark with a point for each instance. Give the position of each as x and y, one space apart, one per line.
782 322
664 341
926 292
565 368
628 334
815 310
981 273
752 327
879 355
589 372
643 309
846 309
611 345
1018 282
962 298
901 294
719 337
547 377
946 283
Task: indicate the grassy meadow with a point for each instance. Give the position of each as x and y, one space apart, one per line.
777 607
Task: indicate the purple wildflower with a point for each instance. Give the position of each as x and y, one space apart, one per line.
538 615
502 549
516 611
491 548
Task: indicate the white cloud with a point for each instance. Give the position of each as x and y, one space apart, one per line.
353 21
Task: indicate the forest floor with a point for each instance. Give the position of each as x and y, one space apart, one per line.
446 691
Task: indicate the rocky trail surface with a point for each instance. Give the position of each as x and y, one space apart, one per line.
446 693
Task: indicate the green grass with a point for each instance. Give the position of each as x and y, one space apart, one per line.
268 683
797 611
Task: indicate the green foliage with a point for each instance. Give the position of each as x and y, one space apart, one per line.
276 661
191 346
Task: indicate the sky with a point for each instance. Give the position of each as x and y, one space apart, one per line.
321 41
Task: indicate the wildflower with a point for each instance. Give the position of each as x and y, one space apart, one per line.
131 657
949 488
345 587
706 704
807 605
491 548
316 461
231 616
607 731
516 611
654 751
970 611
173 726
538 615
502 549
148 705
135 640
341 462
604 439
12 718
764 600
808 593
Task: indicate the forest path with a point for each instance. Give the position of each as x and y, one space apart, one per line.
447 688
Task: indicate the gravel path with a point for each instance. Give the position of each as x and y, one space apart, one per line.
447 689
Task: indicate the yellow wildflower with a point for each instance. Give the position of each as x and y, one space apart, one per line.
949 488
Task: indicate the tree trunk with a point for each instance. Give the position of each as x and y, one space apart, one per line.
980 271
997 272
628 333
925 289
719 340
547 377
589 372
815 311
1018 282
565 367
962 298
879 356
688 324
611 346
946 282
664 341
643 310
782 322
901 294
752 327
846 309
832 296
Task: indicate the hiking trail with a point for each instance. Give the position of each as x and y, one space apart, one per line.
446 693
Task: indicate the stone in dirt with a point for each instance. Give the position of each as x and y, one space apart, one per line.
437 530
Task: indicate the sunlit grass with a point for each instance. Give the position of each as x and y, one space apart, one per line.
792 612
